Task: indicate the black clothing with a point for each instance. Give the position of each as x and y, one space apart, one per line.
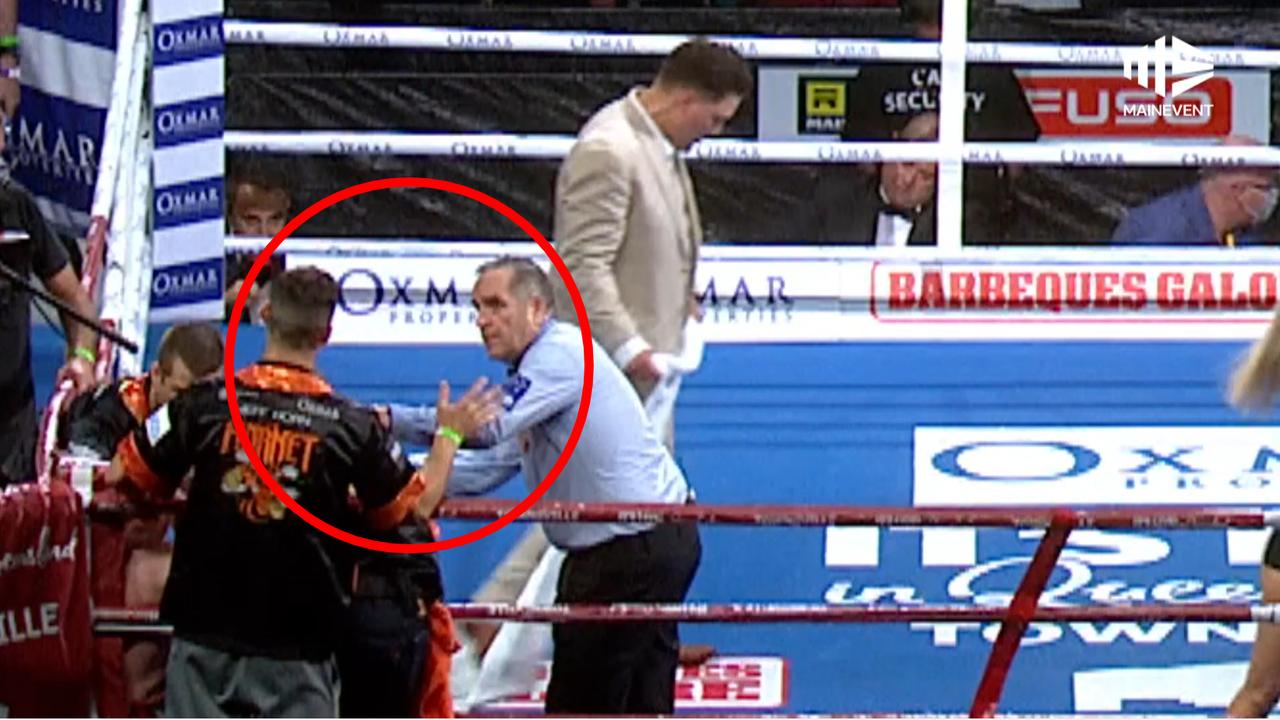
249 577
849 208
41 255
622 668
97 421
884 97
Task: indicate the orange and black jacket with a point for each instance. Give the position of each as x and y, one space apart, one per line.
249 576
96 422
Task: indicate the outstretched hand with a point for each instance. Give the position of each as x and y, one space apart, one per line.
477 408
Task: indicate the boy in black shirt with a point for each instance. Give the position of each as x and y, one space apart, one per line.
257 597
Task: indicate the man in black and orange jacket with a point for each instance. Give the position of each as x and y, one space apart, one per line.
256 595
131 558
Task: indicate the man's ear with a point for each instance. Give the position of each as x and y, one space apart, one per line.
538 307
265 312
324 335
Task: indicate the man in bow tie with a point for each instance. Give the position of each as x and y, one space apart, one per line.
892 207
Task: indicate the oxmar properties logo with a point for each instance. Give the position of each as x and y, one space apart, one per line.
1180 60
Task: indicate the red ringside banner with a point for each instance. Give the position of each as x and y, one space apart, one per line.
45 631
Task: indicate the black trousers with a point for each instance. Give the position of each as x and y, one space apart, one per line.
623 668
18 435
381 659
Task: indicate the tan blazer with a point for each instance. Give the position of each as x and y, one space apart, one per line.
627 226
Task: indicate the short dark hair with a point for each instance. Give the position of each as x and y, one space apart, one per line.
715 70
302 303
527 279
198 345
254 170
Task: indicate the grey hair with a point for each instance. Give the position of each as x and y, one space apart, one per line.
527 279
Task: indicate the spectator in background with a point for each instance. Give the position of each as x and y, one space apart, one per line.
893 208
258 205
1224 208
42 255
885 96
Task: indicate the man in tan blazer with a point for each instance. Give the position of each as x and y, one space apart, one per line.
626 217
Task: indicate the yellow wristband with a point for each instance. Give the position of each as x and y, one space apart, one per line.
451 434
85 354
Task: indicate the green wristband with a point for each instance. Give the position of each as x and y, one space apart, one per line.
451 434
85 354
8 42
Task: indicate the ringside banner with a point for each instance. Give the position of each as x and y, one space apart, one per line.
1069 104
1073 466
188 202
69 48
770 294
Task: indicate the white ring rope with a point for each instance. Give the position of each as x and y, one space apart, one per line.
574 42
481 146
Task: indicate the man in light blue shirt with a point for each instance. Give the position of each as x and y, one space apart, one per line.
618 458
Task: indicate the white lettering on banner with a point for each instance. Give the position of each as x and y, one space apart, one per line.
903 102
32 622
188 202
982 52
351 38
480 41
191 282
39 555
1074 466
79 165
1103 109
1196 633
189 120
847 294
189 39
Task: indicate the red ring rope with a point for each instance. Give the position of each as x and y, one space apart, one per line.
802 612
827 515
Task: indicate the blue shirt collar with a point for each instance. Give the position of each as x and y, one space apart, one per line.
542 332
